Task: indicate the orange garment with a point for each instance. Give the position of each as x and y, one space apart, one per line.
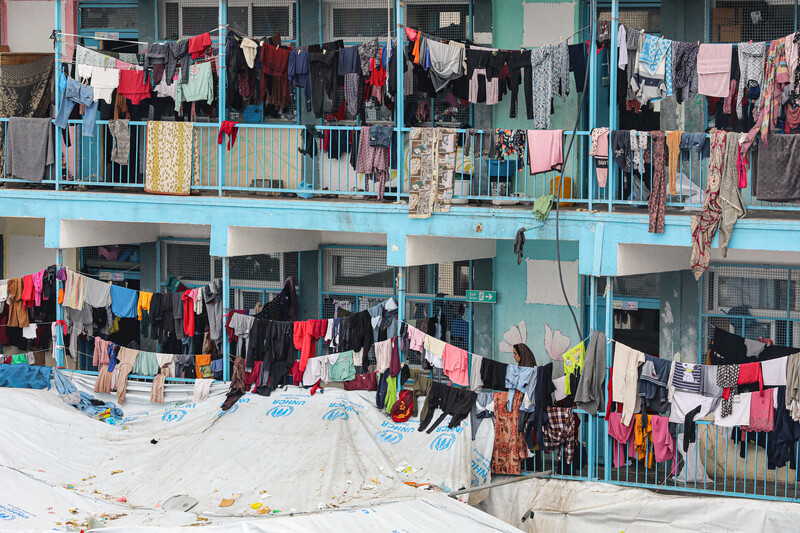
17 314
201 361
674 146
640 435
305 335
415 52
144 302
60 296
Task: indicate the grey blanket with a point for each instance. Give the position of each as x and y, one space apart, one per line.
776 169
29 148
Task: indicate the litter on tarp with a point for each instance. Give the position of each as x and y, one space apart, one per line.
179 503
405 468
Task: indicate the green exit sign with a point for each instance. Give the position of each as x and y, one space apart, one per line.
487 297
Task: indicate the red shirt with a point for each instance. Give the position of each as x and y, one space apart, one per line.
132 86
198 45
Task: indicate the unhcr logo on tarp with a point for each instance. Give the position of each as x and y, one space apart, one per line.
336 414
280 411
388 436
443 442
175 415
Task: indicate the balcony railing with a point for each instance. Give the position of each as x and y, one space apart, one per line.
273 159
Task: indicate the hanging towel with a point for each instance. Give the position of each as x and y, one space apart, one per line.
29 148
201 389
545 150
776 169
714 69
170 158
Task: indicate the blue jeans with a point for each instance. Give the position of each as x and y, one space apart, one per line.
77 93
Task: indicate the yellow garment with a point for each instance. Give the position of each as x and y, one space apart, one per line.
640 435
573 361
114 326
144 302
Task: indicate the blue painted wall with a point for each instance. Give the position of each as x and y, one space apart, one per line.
510 282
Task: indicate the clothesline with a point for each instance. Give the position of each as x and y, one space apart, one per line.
138 67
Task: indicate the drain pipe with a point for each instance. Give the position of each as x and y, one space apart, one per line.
546 473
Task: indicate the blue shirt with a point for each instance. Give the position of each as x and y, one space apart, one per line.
517 379
124 302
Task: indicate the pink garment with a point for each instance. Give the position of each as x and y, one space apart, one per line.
456 365
599 150
762 411
100 356
38 285
714 69
416 339
621 434
545 150
663 443
726 104
742 161
123 65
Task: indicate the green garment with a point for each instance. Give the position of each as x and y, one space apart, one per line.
146 364
343 369
391 392
19 358
200 86
542 206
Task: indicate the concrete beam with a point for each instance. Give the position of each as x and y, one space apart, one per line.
66 233
426 250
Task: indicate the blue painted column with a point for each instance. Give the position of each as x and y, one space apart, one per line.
594 80
399 108
59 312
222 81
58 148
609 296
226 307
612 111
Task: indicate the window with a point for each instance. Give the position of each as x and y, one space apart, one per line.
259 18
356 279
122 18
737 21
253 278
647 19
753 302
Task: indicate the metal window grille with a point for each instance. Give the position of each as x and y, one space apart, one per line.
752 302
354 22
123 259
253 279
123 18
647 19
736 21
358 278
638 286
257 18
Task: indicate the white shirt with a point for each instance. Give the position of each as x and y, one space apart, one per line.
740 416
774 372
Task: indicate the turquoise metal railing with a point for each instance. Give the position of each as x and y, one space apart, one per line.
278 159
721 462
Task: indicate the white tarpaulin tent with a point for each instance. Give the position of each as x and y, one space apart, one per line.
290 451
561 506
